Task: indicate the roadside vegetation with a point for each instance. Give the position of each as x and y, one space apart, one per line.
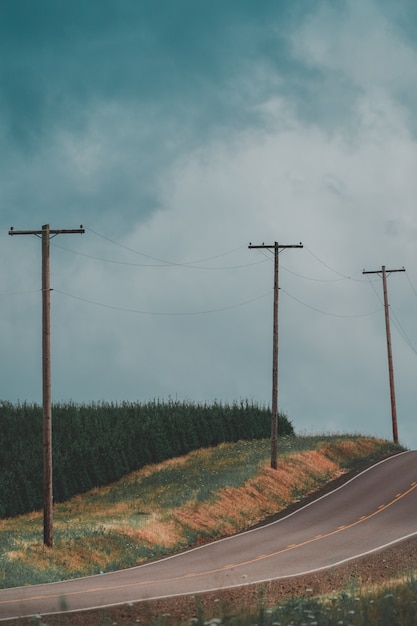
182 502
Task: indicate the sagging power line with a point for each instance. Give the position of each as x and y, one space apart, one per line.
46 234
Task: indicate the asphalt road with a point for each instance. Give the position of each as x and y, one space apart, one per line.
375 509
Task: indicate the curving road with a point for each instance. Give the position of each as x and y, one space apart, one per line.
373 510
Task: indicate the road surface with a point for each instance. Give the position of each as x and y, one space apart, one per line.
373 510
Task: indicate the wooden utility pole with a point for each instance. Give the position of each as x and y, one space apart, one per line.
384 273
46 234
274 412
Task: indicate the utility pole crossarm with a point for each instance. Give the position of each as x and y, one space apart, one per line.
383 271
299 245
274 409
63 231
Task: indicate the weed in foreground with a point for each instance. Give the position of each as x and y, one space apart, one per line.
394 607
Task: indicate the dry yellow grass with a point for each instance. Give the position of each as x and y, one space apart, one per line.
346 449
237 508
166 533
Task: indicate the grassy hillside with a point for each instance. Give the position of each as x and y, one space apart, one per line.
182 502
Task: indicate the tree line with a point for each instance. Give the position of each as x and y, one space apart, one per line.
96 444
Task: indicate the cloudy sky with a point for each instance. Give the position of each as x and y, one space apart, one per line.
177 133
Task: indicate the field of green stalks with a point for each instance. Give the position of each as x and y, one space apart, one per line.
98 443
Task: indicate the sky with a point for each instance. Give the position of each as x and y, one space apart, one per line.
177 134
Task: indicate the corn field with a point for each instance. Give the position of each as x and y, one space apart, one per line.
98 443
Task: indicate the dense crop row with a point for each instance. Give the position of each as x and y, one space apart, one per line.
96 444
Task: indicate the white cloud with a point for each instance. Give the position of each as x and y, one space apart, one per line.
358 41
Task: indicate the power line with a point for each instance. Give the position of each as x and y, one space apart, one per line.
325 264
322 280
411 284
165 262
158 313
19 293
159 265
400 329
325 312
376 293
317 280
342 276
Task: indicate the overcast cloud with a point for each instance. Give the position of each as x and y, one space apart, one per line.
178 132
